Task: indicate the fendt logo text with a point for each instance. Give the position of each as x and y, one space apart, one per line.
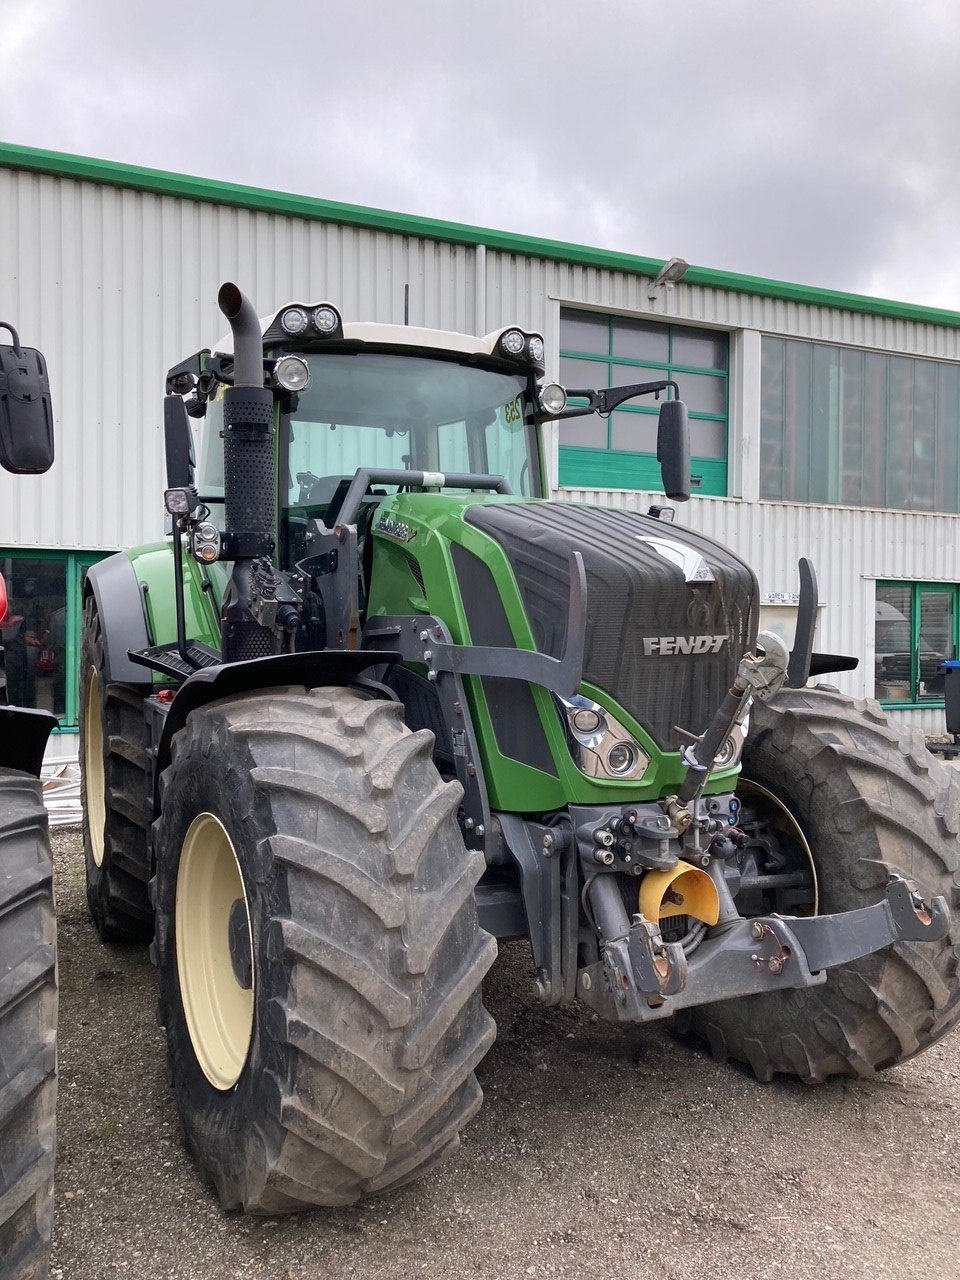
682 644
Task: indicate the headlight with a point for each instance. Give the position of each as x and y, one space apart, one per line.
732 749
600 745
292 373
553 398
206 542
293 321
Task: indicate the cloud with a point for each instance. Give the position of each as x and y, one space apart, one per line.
807 142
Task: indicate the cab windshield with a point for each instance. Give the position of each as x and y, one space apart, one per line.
406 412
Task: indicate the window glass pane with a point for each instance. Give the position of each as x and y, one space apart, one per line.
702 393
948 435
582 331
899 430
707 439
852 488
641 340
936 641
587 374
772 391
924 459
34 633
588 432
875 428
699 347
633 432
893 643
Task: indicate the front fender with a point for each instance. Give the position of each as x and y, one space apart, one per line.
23 738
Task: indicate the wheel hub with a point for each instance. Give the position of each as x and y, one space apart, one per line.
214 951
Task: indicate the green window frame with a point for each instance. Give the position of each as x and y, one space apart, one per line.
917 626
606 466
76 564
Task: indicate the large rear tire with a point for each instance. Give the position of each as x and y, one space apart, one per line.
113 774
869 800
320 957
28 1029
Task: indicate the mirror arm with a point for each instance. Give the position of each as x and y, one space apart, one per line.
607 399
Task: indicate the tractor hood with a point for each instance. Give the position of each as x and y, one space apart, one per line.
670 612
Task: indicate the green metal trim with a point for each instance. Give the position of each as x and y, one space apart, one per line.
162 182
612 469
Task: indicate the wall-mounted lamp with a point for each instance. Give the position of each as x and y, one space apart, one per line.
668 275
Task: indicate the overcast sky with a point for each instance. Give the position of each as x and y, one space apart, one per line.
812 141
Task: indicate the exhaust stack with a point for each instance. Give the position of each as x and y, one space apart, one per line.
249 483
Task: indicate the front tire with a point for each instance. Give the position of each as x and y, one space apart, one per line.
869 800
113 785
28 1029
334 1055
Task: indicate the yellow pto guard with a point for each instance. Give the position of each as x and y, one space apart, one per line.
681 891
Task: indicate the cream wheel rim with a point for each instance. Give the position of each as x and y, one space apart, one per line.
746 786
94 776
210 899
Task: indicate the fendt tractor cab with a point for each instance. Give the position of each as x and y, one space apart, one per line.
28 926
380 697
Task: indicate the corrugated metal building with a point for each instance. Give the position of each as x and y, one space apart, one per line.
823 424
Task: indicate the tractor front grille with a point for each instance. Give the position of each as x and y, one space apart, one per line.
635 594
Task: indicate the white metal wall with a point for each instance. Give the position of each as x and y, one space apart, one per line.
115 285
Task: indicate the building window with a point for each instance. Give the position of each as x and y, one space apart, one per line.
916 629
859 428
620 451
40 634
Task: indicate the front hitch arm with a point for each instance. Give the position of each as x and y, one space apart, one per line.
903 916
641 978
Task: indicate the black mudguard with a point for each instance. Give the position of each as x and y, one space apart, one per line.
23 738
123 623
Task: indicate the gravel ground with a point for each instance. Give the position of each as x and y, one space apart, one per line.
599 1151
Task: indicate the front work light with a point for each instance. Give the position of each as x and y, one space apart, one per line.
292 373
553 398
293 321
326 320
180 502
513 342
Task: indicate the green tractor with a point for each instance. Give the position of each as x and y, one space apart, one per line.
28 924
380 701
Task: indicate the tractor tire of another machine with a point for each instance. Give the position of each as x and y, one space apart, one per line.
113 777
319 951
28 1029
869 801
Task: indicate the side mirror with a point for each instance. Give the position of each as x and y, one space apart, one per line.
673 449
178 443
26 410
